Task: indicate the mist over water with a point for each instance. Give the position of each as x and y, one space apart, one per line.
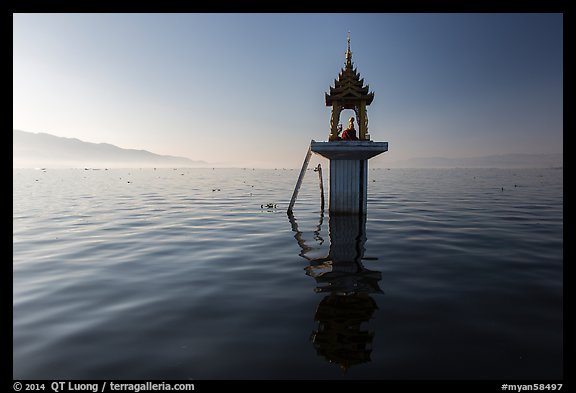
186 274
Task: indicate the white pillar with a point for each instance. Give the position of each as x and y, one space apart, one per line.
348 172
348 186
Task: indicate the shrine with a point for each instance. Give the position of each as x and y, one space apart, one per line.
349 92
348 154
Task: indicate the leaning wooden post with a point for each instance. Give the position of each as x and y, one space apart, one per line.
300 178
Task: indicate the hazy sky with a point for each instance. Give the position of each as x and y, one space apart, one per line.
248 89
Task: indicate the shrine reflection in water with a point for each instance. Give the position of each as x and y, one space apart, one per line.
342 335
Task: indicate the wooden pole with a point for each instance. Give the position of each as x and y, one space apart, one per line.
300 178
319 170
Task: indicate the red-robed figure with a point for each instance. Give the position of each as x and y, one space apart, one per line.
349 134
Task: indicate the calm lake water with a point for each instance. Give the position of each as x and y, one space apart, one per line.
181 274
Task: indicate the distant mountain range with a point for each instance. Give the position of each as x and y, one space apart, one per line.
39 150
493 161
46 150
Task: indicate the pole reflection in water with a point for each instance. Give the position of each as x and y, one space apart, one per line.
339 336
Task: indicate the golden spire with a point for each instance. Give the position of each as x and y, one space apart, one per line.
348 53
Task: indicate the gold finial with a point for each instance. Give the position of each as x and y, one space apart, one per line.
348 52
348 40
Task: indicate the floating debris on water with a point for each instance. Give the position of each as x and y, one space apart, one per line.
269 206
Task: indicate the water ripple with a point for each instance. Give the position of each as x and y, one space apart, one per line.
181 273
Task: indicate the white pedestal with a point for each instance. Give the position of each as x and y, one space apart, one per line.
348 172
